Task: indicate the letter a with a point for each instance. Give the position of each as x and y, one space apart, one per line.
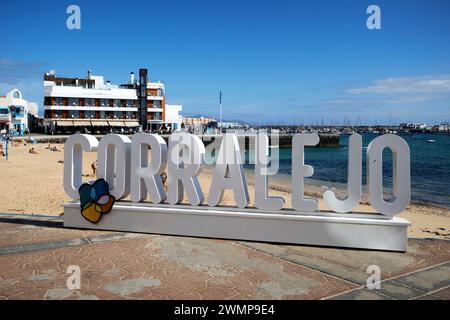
74 20
374 20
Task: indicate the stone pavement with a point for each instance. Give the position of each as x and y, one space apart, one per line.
35 253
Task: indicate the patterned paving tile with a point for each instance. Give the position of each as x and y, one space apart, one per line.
160 267
36 252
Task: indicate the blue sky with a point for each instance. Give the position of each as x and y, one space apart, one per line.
276 61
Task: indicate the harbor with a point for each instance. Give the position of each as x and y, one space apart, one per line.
283 140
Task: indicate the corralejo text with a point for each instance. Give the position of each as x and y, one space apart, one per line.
132 171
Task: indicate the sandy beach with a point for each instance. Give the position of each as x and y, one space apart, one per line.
32 184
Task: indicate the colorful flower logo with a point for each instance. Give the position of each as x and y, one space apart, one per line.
95 200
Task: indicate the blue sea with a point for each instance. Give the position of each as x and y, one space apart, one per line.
430 166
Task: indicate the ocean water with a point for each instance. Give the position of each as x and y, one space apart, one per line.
430 166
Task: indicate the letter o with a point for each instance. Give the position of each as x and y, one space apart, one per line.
114 163
401 174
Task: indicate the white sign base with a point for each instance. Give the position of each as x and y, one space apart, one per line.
355 230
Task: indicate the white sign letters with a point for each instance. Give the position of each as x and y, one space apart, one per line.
132 169
124 164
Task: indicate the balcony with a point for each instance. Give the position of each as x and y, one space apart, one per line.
150 97
90 108
155 109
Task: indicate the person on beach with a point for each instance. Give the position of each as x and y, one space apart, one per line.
164 179
50 148
94 168
32 151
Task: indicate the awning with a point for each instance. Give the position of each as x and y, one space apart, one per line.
82 123
132 124
100 123
64 123
115 123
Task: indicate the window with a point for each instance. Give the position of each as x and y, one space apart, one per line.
90 102
17 95
19 111
73 101
74 114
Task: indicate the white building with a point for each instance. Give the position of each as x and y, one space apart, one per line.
14 112
173 117
93 104
444 127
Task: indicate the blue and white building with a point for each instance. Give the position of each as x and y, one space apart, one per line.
14 111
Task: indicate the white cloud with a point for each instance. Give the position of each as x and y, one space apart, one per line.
14 72
407 85
375 102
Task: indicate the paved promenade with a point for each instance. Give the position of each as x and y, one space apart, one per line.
35 253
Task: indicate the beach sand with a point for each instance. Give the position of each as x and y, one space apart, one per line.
32 184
